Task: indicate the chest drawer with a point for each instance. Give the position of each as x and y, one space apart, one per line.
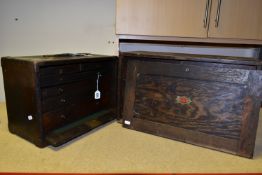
55 75
68 89
59 70
72 112
63 95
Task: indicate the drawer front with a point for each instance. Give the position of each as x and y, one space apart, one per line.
55 75
69 102
72 112
59 70
93 66
204 105
67 89
55 97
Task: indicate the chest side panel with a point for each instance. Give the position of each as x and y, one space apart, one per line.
22 99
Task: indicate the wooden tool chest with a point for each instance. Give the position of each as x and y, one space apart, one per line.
51 99
211 101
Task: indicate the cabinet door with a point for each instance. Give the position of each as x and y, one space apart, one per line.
241 19
161 17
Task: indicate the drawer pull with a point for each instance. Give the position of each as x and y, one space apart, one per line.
61 71
206 13
218 13
60 90
187 69
63 100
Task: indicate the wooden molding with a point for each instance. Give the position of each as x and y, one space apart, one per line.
258 43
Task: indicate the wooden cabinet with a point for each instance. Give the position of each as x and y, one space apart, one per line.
241 19
234 19
50 99
212 101
161 17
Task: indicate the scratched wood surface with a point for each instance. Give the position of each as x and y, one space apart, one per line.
215 109
212 102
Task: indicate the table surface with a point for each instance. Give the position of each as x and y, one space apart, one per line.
112 148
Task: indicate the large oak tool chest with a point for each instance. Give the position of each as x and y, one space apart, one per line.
52 99
211 101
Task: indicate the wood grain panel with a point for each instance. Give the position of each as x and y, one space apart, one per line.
251 115
185 135
225 74
239 19
213 105
161 17
215 109
129 95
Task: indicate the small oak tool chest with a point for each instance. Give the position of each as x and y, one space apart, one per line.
211 101
52 99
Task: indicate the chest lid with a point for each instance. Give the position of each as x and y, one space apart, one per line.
252 61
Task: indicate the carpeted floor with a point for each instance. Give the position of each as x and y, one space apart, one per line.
114 149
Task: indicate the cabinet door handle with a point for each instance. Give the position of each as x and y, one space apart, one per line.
218 13
205 20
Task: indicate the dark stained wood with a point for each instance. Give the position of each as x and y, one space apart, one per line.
21 92
62 76
210 103
75 92
184 135
260 53
129 92
196 58
215 108
57 90
122 67
207 73
59 70
67 133
251 115
65 115
124 56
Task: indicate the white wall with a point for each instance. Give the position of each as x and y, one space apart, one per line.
29 27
